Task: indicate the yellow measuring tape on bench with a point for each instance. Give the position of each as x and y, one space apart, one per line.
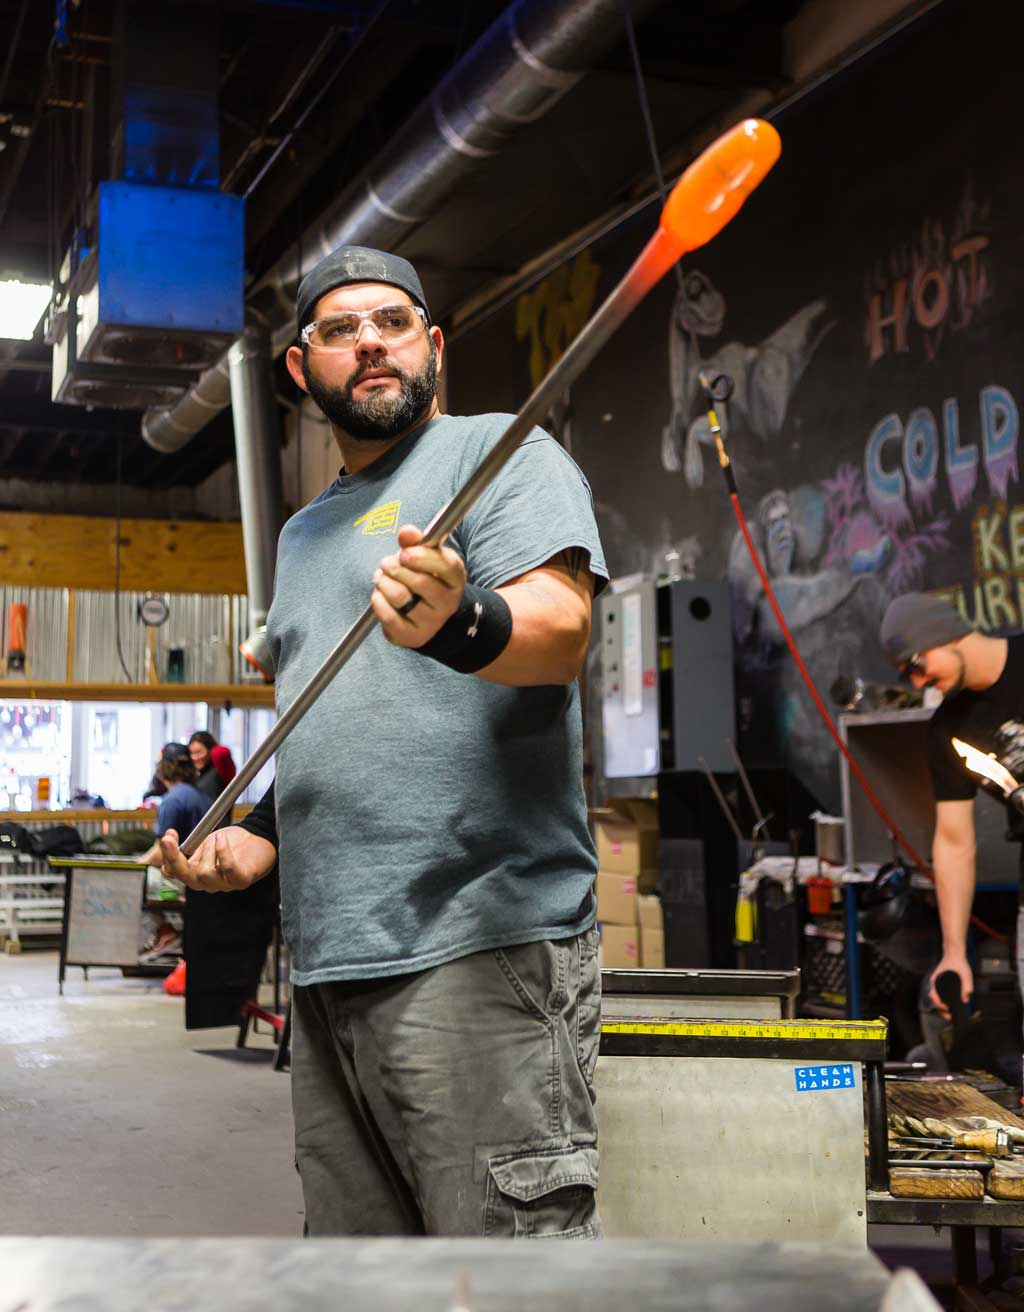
746 1029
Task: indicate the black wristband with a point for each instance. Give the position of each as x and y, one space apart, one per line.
475 635
262 819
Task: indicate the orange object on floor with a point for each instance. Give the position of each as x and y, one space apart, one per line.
819 895
174 984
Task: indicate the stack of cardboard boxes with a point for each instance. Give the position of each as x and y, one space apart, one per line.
629 913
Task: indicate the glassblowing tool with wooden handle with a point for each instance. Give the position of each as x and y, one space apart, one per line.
702 202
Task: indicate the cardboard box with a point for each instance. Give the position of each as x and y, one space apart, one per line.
649 913
626 834
652 933
652 948
620 947
616 898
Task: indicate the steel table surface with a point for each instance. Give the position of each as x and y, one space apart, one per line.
431 1275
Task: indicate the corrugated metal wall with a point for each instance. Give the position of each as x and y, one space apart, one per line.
206 629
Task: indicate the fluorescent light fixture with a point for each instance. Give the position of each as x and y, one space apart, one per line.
21 305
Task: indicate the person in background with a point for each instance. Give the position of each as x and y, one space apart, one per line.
981 678
214 764
208 778
155 789
181 808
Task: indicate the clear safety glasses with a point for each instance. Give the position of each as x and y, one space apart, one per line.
340 332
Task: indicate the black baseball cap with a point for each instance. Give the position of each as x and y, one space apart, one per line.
176 754
917 622
350 264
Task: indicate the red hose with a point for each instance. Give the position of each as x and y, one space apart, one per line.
869 792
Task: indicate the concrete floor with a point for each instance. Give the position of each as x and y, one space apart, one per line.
115 1121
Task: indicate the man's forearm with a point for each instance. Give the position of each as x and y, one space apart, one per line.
550 632
954 866
551 609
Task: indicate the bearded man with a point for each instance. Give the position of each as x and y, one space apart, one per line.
428 814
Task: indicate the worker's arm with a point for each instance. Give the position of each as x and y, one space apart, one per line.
550 623
229 859
539 622
953 853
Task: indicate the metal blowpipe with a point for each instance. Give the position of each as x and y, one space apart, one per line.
702 202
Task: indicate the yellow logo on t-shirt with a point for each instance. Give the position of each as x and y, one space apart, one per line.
381 519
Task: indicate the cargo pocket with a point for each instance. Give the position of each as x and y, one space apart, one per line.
588 1007
545 1194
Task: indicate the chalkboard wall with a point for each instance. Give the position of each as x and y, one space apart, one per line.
869 303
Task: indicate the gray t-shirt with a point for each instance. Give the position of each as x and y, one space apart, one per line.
425 814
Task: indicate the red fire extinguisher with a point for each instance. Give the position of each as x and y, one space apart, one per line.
17 634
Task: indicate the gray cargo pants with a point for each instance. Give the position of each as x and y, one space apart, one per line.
453 1101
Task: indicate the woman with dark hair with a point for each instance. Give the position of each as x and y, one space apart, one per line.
208 778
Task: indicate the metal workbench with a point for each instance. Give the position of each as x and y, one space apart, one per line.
437 1275
964 1218
703 992
759 1131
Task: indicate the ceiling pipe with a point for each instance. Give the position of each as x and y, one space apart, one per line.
258 454
533 53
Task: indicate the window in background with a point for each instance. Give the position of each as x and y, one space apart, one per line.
241 732
259 723
117 762
229 730
35 744
180 721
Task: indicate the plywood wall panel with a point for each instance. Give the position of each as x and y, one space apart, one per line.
78 551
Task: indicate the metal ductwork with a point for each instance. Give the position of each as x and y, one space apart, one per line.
257 450
151 289
534 53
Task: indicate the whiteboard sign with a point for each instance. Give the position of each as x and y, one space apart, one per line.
632 655
103 917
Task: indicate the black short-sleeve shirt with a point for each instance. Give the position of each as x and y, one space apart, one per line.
992 720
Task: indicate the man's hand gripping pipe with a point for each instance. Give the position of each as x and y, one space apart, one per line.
717 388
705 198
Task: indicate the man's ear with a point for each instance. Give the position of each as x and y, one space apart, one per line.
438 337
294 362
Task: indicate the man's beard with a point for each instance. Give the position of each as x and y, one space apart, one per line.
382 414
958 683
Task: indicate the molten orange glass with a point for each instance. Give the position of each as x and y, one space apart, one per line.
717 183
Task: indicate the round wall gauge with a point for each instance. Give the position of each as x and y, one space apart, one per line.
153 610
